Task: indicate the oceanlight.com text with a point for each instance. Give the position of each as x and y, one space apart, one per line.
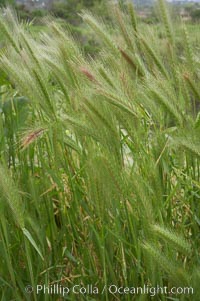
112 289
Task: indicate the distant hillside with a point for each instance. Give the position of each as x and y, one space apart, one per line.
47 3
143 2
183 1
150 2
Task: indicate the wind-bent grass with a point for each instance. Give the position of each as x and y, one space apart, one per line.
99 175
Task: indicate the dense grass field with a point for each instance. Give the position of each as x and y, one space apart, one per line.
99 160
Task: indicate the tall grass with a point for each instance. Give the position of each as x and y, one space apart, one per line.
99 173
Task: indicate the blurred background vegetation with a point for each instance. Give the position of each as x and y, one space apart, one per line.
68 12
65 9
